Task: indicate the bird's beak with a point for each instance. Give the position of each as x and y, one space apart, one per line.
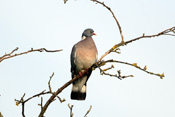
94 34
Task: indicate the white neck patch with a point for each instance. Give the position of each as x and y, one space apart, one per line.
83 38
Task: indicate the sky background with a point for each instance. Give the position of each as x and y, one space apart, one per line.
54 25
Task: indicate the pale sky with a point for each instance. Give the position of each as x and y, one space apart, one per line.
54 25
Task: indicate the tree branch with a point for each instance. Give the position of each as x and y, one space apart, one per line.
170 31
88 111
133 64
50 89
49 101
165 32
1 114
101 63
103 4
10 55
71 107
22 101
71 112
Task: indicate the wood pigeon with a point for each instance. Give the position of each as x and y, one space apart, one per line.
83 56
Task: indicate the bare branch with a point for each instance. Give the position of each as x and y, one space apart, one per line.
99 64
10 55
50 89
49 101
1 114
111 50
71 112
120 29
88 111
165 32
71 107
37 95
41 103
22 101
170 31
65 1
104 71
134 65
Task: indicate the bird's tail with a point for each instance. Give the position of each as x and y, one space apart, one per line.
78 94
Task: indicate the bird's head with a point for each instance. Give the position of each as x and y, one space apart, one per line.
88 33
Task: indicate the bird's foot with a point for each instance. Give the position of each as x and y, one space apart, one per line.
80 74
87 70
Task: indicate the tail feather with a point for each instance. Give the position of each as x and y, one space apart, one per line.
78 94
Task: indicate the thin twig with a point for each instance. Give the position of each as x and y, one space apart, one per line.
49 101
165 32
50 89
10 55
22 101
41 103
135 65
1 114
37 95
88 111
118 75
120 29
65 1
71 108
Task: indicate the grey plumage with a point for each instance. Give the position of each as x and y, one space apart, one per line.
83 56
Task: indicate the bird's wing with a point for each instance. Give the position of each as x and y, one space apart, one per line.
73 57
